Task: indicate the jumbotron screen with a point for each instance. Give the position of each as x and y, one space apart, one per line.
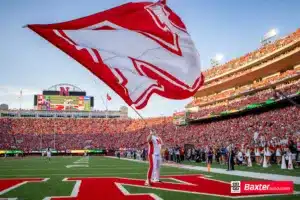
57 102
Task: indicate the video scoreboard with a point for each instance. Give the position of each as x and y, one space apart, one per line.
63 99
69 103
180 118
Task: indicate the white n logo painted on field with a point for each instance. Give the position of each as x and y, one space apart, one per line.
82 162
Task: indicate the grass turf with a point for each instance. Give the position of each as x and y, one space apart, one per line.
98 167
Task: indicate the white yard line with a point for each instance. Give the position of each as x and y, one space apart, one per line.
82 162
267 176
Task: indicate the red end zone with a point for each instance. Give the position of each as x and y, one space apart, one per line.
113 187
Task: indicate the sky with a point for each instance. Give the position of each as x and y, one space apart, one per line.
31 64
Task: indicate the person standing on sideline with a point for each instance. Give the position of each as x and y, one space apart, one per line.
230 163
154 156
177 152
49 154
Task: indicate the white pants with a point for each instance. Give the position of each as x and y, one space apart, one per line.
154 167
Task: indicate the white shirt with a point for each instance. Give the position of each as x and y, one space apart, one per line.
240 156
155 145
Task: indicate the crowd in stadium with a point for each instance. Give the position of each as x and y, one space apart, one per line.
252 56
276 78
70 133
33 133
287 88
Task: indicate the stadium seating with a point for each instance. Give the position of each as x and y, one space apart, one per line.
36 133
254 86
287 88
250 57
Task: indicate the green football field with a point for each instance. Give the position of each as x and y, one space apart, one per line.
106 185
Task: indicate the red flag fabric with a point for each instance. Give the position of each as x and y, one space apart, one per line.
137 49
108 97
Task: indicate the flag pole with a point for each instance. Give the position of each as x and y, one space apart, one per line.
104 106
106 101
139 114
20 99
146 124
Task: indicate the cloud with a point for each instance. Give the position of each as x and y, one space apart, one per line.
10 95
15 91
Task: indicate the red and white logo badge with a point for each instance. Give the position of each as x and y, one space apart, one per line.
262 187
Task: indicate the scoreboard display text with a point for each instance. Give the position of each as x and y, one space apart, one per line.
179 118
69 103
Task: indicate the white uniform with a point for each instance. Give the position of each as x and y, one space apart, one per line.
267 151
49 154
278 152
154 158
257 152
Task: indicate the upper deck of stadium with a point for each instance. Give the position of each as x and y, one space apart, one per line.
269 59
275 65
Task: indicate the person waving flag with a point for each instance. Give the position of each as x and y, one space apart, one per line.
154 156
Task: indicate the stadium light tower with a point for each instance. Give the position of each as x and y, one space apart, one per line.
217 59
269 36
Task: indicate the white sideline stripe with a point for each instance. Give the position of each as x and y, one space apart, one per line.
126 193
257 175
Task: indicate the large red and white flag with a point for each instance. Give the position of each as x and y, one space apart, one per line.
137 49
